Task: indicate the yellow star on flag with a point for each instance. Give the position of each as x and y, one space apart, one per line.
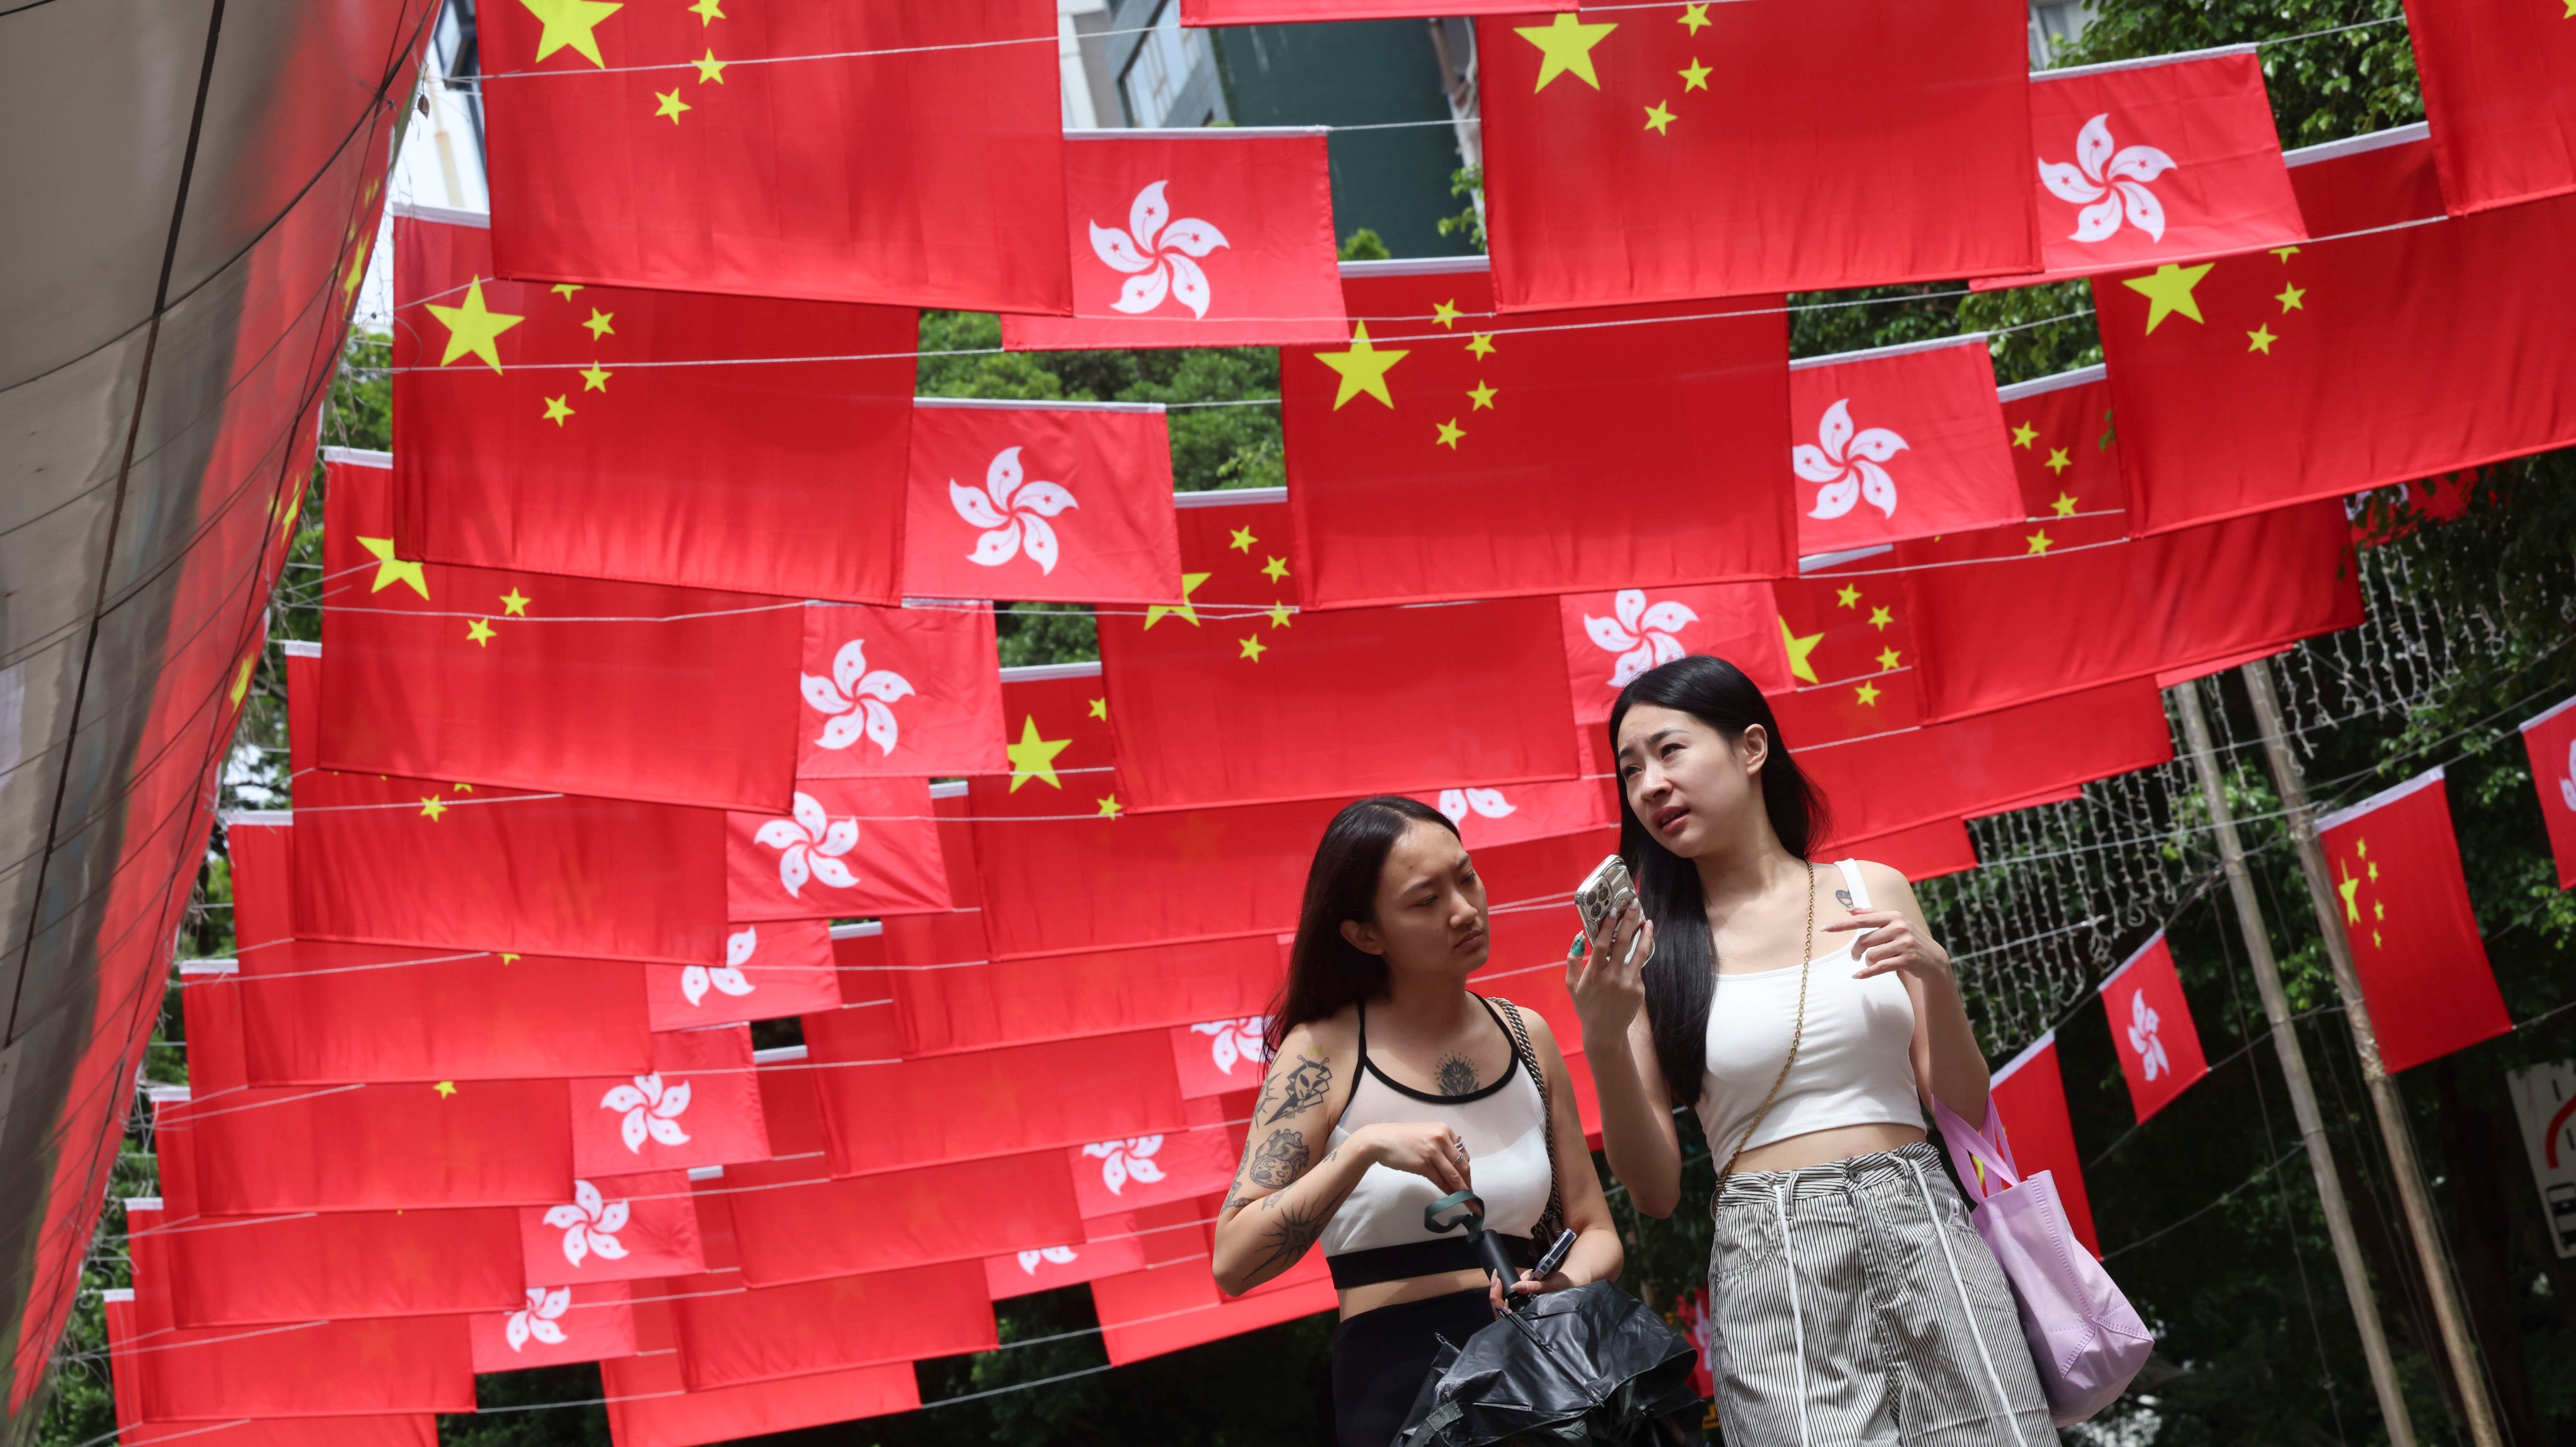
594 378
708 12
2168 290
514 603
1033 757
1363 367
1887 659
510 959
1879 618
1867 695
2285 253
1243 540
2040 542
1798 649
710 68
1658 119
670 104
241 679
1847 596
2025 435
1694 76
1482 396
1695 18
564 289
557 409
1565 48
391 570
479 632
1252 647
2065 505
599 323
1100 708
1280 614
1450 433
432 806
2260 340
1110 808
1445 313
357 270
1275 569
2058 461
2349 888
445 1088
472 328
1181 610
1481 344
2293 298
570 22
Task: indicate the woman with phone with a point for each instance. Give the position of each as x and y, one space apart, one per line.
1809 1018
1391 1085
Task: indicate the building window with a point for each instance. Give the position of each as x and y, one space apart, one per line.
1161 67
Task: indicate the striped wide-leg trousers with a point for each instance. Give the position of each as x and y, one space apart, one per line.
1852 1304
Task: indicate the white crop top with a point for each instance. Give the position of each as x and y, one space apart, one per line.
1854 1063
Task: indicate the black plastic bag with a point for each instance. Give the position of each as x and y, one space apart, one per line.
1590 1365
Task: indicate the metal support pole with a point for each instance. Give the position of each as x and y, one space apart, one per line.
2294 1068
2450 1314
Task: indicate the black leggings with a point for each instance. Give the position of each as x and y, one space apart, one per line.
1380 1358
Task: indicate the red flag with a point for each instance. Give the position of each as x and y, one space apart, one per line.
309 1369
1208 237
848 847
554 1325
1235 698
728 1337
2028 1098
908 152
314 1012
2500 88
899 692
1899 442
1047 1268
1489 817
313 1266
548 429
2551 741
405 1430
1647 155
2162 159
626 690
1847 630
614 1228
771 971
1060 501
1289 12
263 1152
2379 179
2151 1028
1925 851
1219 1057
1436 452
2415 941
650 1404
1138 1171
698 1106
1173 1305
950 999
1610 638
791 1223
2318 370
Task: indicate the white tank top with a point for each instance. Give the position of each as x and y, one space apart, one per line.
1854 1065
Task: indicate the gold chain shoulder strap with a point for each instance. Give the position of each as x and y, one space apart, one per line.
1551 1222
1797 1032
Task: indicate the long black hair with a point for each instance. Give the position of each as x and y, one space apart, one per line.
1681 979
1326 971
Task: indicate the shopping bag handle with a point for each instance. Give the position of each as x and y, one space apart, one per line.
1983 1158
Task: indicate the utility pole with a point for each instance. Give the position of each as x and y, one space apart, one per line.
2450 1314
2294 1067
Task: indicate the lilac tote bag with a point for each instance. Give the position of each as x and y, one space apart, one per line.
2085 1338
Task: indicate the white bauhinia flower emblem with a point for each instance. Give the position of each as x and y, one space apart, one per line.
1128 1160
2152 1060
2105 181
652 1109
1058 1255
856 698
537 1319
1234 1040
590 1224
696 980
2567 786
1643 634
1013 513
810 847
1157 258
1847 463
1483 803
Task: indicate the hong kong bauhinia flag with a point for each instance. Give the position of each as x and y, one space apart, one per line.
1610 638
2395 866
1436 451
2151 1028
698 1106
614 1228
2551 742
1899 442
1041 501
793 1223
908 152
1710 150
615 433
772 969
843 848
2499 80
903 693
1204 237
553 1325
489 676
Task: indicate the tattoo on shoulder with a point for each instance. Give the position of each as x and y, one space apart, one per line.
1278 1160
1301 1086
1843 898
1457 1076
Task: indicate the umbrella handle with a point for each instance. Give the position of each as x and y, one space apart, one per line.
1467 1209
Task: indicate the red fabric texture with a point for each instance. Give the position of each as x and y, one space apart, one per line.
1064 504
792 1223
898 693
1134 1172
319 1013
320 1266
1175 1304
2500 90
846 848
613 1228
554 1325
2152 1029
772 970
2029 1099
1049 1267
2550 739
981 1004
729 1337
1289 12
1925 851
321 1369
698 1106
2395 865
650 1403
1897 446
263 1152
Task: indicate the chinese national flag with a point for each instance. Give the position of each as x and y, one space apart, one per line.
617 690
1046 1268
906 151
698 1106
903 693
2028 1097
269 1151
2415 941
1903 442
316 1369
2499 84
2151 1028
2161 160
728 1337
1134 1172
565 430
1924 851
791 1223
2322 369
1290 12
1219 1057
419 1429
313 1012
848 847
1847 635
1610 638
614 1228
1987 763
554 1325
772 970
2551 741
1215 237
1690 151
318 1266
650 1403
1234 697
1437 452
1053 502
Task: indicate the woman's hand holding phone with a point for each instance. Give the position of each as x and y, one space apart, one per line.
1605 973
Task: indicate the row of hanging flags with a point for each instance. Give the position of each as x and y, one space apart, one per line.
644 651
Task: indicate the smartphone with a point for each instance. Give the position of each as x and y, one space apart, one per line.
1603 893
1555 1256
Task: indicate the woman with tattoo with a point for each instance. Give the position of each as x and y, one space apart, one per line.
1390 1086
1850 1301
